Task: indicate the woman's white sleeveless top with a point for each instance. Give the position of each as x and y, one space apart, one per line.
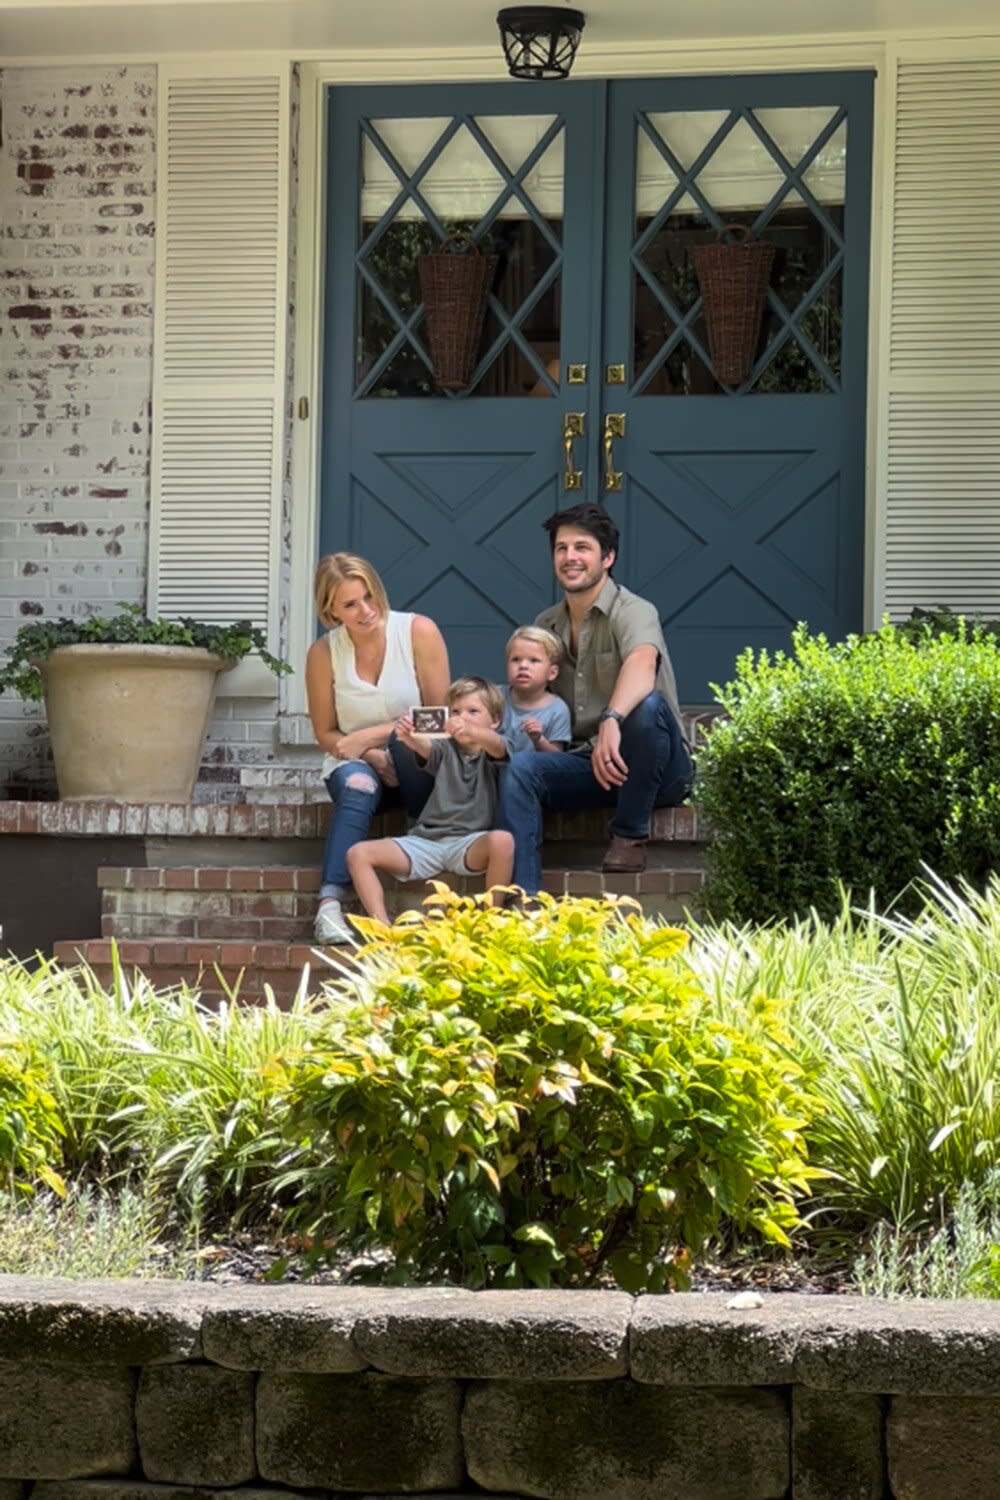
360 704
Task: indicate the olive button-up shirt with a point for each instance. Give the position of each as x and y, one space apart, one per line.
617 622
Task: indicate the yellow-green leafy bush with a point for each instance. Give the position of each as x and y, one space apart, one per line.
30 1127
506 1098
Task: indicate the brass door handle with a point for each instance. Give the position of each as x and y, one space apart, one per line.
614 426
572 428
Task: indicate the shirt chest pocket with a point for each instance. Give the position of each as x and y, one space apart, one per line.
605 672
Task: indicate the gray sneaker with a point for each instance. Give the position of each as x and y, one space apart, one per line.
330 926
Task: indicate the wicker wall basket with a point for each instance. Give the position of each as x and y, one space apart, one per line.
454 283
733 279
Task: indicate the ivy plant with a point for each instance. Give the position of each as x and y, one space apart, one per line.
34 641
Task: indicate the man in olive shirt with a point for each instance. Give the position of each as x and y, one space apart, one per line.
628 751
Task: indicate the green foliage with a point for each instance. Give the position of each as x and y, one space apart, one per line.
29 1121
943 620
34 641
896 1023
506 1098
961 1258
155 1085
856 763
88 1233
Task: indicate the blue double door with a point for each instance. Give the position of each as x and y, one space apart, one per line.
611 360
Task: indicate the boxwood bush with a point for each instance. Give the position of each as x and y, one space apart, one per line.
857 763
536 1099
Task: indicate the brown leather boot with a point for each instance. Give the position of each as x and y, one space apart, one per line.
627 856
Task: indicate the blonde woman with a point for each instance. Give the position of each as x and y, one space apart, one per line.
369 669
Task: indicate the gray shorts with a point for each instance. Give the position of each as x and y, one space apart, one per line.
428 857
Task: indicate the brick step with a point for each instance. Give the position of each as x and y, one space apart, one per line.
170 821
217 970
276 904
251 956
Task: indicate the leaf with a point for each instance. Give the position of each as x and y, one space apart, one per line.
535 1234
942 1135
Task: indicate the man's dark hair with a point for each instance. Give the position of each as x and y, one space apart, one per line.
590 518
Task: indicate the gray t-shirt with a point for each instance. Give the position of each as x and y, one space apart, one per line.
554 719
464 799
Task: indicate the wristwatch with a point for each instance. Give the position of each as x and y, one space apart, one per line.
610 713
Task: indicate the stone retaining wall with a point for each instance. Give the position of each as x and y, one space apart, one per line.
137 1390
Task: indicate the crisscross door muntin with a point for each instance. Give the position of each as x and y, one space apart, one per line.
741 507
445 492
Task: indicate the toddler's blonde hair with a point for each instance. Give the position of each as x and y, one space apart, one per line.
539 636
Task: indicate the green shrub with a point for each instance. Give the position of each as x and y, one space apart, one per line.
29 1121
856 763
86 1233
896 1024
961 1258
505 1098
152 1085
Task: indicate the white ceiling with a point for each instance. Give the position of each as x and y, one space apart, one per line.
123 28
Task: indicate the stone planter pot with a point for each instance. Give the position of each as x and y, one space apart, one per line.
129 722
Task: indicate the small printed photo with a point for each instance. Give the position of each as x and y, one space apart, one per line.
431 721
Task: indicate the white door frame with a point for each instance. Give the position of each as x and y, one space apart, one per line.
620 62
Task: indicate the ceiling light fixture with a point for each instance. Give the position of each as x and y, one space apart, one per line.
539 41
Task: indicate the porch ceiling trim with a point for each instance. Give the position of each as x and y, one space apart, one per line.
746 53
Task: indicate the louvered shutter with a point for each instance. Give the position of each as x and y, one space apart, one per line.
942 421
220 350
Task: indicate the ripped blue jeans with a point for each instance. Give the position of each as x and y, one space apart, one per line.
355 805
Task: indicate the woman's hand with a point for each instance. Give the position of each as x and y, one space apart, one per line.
353 746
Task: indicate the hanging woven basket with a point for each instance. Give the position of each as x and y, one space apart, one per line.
454 282
733 279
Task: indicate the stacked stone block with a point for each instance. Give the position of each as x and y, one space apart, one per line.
133 1391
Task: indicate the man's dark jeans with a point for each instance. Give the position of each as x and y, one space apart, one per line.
659 775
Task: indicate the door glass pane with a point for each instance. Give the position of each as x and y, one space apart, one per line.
698 172
424 180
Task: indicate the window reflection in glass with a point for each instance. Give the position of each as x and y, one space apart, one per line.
743 175
803 253
455 180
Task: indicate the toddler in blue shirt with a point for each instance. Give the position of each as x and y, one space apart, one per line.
534 718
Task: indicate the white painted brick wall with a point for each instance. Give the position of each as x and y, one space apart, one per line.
77 182
76 205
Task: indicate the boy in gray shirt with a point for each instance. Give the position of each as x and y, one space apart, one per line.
455 830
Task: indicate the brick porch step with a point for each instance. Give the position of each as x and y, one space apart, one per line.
221 930
217 970
276 904
249 873
300 820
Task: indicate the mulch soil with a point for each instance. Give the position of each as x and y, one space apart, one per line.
248 1258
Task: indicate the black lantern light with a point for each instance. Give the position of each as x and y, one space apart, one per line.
539 41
